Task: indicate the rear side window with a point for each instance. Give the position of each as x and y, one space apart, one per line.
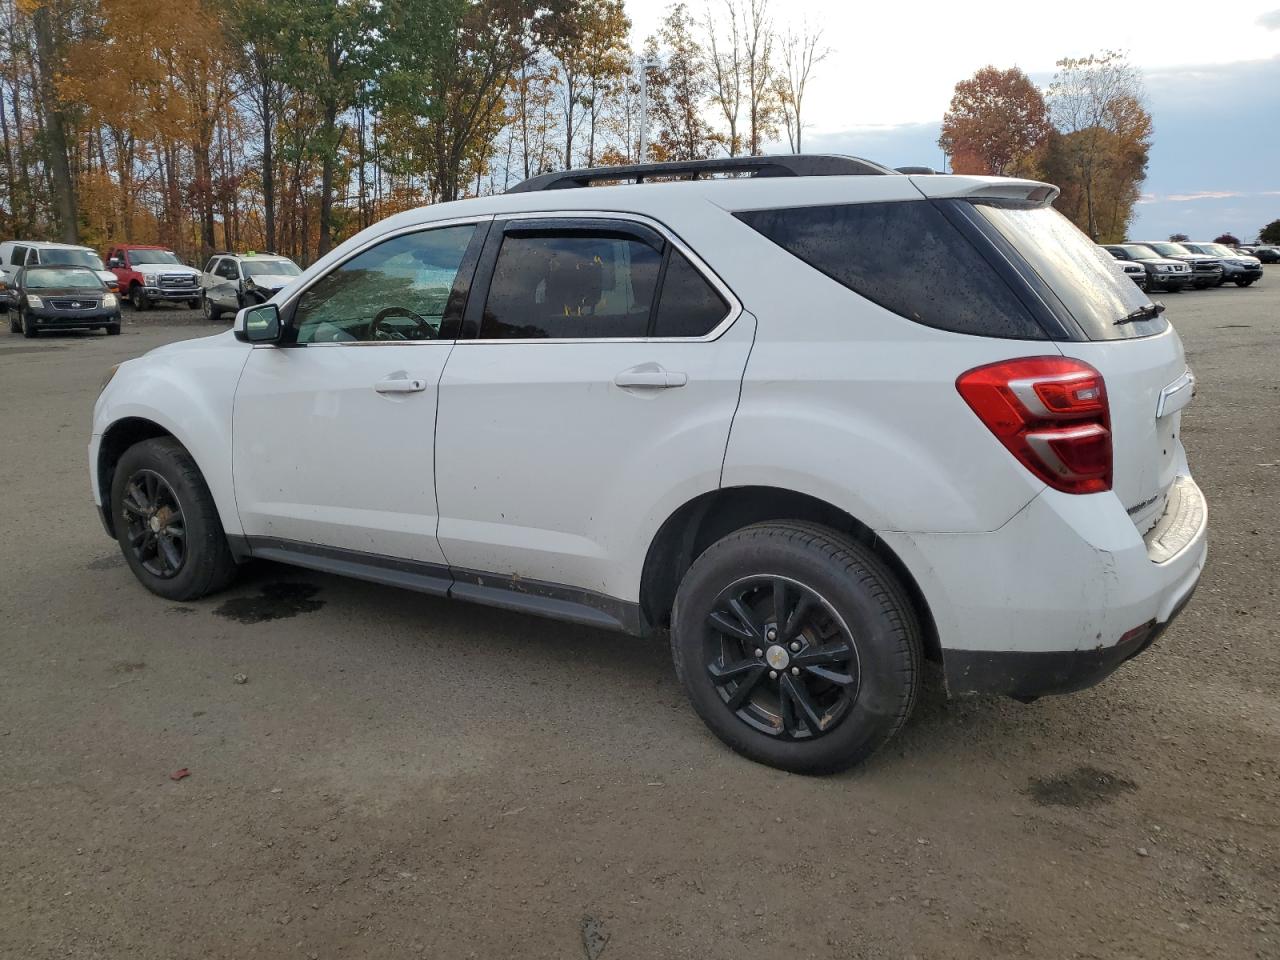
570 286
907 257
689 305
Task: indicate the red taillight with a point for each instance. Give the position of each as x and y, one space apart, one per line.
1049 412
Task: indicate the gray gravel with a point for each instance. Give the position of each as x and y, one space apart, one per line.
403 776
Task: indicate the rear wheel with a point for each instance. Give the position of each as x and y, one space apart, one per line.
796 646
166 522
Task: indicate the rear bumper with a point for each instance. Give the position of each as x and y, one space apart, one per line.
1060 596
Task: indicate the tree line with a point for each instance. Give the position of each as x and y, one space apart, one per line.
1089 133
288 125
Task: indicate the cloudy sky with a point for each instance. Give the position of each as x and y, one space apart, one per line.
1212 74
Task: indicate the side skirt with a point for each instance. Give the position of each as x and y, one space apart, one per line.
556 601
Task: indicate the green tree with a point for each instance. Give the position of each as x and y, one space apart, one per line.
1270 233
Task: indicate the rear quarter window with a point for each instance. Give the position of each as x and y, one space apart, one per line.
908 258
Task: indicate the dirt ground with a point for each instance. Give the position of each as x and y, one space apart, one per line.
399 776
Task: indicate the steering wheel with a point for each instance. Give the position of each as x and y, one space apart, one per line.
424 328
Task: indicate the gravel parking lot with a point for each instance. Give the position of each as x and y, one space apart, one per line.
376 773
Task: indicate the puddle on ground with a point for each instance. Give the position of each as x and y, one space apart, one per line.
186 610
275 601
1082 787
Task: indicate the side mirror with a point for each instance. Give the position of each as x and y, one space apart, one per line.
259 324
114 263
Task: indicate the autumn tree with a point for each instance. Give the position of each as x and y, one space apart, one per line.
1228 239
588 41
1096 105
996 120
801 52
679 89
740 60
53 23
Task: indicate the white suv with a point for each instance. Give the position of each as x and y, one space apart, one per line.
821 420
232 281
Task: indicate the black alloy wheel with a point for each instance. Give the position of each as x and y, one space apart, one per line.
166 522
156 529
797 646
781 658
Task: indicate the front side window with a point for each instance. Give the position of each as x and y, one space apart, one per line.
212 265
270 268
571 285
397 290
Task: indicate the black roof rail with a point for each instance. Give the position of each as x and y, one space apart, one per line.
787 165
925 171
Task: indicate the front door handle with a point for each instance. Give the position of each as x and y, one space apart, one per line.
400 385
651 376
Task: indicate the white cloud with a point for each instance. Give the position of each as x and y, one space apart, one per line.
1270 20
1203 195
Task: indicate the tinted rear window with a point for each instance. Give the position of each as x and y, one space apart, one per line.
1093 290
907 257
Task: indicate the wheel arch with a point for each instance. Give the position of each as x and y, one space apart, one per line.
700 522
116 439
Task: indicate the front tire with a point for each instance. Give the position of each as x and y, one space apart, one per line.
28 325
113 329
14 325
167 524
797 646
1243 283
193 304
139 299
212 312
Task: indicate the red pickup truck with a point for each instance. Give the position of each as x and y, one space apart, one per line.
150 275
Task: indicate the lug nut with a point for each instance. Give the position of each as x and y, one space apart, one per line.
795 671
795 646
773 674
771 634
759 652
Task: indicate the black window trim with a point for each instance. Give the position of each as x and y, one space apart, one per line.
462 283
626 226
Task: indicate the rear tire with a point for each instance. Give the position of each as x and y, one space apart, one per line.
826 690
157 490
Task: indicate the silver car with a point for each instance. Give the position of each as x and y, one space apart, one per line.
233 281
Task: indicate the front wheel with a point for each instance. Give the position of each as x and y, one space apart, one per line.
138 299
193 304
166 522
797 646
28 325
212 312
113 329
1243 283
14 325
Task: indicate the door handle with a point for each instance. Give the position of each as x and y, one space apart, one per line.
651 376
400 385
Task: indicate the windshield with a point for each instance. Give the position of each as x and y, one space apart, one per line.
1218 250
1139 251
1086 278
1169 249
61 278
63 255
137 257
269 268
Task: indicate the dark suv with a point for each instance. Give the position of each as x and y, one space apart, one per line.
1162 272
1206 271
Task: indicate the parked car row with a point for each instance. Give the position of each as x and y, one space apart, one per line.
144 274
1162 265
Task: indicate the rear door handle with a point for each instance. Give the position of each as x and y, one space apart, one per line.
651 376
400 385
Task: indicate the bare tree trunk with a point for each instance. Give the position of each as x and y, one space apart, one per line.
64 195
